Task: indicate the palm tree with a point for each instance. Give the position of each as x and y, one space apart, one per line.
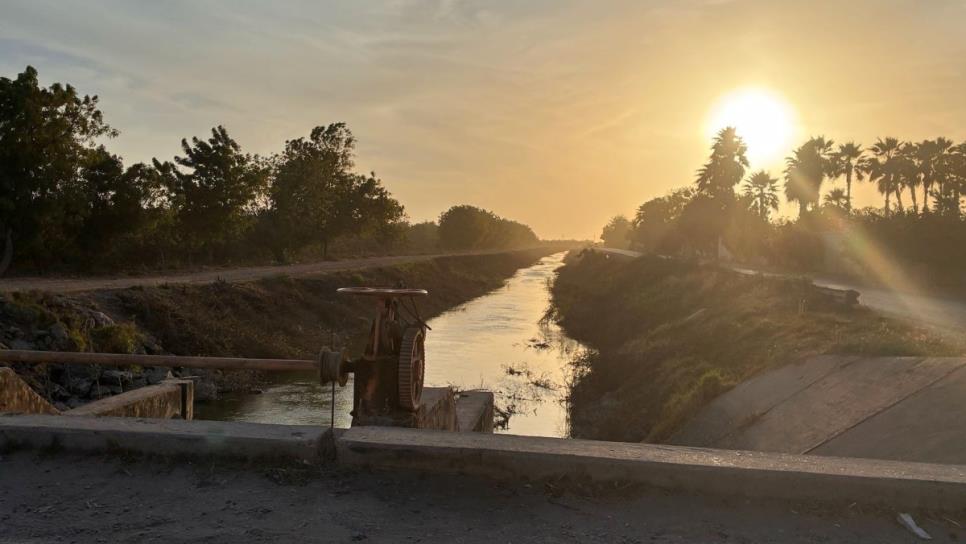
837 198
883 168
806 170
909 169
845 162
762 190
726 166
946 160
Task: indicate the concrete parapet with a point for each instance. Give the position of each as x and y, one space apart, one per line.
226 439
675 468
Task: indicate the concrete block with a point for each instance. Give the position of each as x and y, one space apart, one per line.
437 410
675 468
474 411
228 439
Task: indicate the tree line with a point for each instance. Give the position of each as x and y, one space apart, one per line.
920 224
67 202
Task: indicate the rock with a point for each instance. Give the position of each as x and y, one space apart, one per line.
156 375
59 333
100 318
74 402
14 332
22 345
116 377
80 385
61 406
58 392
151 346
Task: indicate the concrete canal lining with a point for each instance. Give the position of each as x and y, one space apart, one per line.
674 468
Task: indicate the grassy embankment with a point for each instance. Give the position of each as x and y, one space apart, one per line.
669 336
275 317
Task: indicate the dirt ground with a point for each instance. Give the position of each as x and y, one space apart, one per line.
71 498
233 275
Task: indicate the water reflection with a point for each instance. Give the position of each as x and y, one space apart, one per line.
497 342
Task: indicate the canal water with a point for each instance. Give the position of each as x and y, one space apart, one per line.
499 342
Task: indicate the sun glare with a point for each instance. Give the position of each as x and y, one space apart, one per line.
763 119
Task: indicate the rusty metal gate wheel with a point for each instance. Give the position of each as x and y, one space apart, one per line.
412 361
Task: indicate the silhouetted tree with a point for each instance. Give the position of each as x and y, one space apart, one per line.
806 170
762 191
725 167
469 227
845 162
656 222
838 199
616 232
883 168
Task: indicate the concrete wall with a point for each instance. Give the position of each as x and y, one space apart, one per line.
166 400
17 397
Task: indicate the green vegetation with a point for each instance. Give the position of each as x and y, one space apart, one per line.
67 203
670 335
725 207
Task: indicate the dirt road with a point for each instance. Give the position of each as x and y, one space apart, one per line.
243 274
66 498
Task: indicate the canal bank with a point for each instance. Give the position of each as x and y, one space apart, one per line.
277 317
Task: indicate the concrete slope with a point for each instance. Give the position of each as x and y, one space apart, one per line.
928 426
842 406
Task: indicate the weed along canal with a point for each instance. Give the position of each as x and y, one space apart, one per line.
498 342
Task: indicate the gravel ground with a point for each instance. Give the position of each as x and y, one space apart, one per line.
71 498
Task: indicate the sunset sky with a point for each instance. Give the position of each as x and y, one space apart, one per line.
556 113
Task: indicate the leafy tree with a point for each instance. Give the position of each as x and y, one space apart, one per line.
423 236
845 161
725 167
215 198
46 137
805 171
762 190
616 232
469 227
312 194
120 201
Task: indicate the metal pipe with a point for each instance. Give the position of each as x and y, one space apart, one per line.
112 359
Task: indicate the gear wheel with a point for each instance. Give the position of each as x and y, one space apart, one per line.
412 361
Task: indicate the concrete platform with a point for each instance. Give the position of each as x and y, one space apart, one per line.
228 439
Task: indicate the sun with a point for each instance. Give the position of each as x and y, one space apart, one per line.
762 118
